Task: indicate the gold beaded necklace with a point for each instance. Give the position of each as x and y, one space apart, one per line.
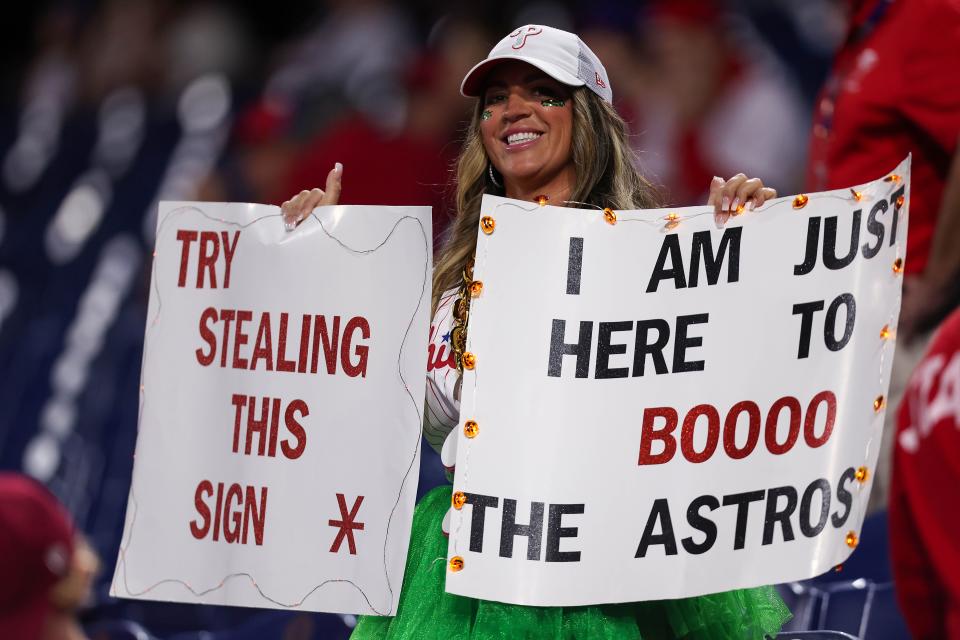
461 313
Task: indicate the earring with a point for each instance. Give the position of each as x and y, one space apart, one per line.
492 178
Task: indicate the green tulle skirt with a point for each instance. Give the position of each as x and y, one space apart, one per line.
427 612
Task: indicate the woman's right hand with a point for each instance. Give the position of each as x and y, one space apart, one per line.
296 209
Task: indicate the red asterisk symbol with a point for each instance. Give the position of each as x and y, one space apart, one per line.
347 525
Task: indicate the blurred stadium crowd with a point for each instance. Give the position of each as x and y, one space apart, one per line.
109 107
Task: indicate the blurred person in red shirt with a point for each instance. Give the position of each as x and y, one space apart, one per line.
715 102
46 565
412 166
893 90
924 498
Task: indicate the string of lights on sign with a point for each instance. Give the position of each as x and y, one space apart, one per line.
670 222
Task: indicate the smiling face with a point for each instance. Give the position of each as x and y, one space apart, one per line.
529 132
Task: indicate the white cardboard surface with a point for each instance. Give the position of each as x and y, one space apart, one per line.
360 432
564 440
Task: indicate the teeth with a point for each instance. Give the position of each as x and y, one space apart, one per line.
514 138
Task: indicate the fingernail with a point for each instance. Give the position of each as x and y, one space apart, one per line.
717 179
720 219
735 204
750 205
726 204
338 168
289 224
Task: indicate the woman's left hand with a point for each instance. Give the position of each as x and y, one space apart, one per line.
737 195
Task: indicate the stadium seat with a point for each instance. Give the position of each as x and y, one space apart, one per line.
118 630
883 618
279 625
844 605
863 608
815 635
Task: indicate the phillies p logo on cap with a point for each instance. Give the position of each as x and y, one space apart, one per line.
522 34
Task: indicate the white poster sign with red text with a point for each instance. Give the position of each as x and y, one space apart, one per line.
673 408
280 408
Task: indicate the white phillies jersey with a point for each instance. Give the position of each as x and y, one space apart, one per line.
443 379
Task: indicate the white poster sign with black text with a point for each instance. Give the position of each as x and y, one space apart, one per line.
662 408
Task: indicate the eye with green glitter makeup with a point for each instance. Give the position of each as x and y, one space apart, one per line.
549 96
486 115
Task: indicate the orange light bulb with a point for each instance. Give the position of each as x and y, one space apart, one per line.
471 428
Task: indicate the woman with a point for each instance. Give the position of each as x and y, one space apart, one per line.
544 127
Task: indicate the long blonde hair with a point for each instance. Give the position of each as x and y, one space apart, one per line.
606 176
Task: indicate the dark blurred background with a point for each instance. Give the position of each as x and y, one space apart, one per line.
108 107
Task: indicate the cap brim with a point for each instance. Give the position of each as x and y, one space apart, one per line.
472 85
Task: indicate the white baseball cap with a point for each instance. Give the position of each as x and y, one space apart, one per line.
560 54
